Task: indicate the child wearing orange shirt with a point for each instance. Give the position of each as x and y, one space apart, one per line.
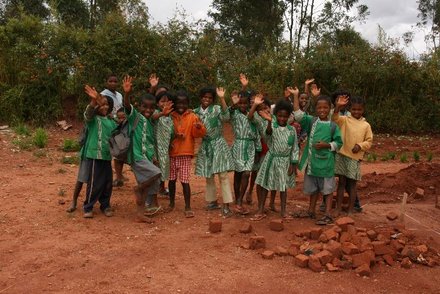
187 127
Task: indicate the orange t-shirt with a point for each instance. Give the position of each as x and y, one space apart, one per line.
185 124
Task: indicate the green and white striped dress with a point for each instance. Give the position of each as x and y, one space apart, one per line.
164 131
214 155
246 141
261 127
283 151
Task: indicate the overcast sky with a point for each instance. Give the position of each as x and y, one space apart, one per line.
395 16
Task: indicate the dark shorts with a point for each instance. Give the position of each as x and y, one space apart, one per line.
143 171
313 185
85 166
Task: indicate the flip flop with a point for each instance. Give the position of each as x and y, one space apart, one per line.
241 210
287 217
189 213
303 214
258 217
325 220
152 210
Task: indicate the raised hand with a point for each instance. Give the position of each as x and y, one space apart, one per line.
235 98
91 92
244 80
167 108
315 90
286 93
293 91
221 92
258 100
265 114
309 81
153 80
127 83
342 101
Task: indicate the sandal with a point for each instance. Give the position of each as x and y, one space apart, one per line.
189 213
212 206
258 217
287 217
241 210
303 214
226 212
152 210
325 220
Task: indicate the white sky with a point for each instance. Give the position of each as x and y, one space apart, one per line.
395 16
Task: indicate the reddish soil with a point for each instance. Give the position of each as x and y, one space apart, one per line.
45 249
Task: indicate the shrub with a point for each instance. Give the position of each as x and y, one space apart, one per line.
70 145
371 157
22 130
429 156
403 158
40 138
416 156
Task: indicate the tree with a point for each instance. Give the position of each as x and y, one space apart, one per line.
430 16
252 24
13 9
72 12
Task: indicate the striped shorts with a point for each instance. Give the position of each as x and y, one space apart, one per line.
180 167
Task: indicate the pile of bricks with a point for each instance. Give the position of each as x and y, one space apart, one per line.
345 246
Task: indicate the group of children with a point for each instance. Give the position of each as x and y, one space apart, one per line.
265 151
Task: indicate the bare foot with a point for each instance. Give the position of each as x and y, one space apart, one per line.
272 208
168 209
71 208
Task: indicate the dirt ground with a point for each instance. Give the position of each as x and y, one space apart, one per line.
45 249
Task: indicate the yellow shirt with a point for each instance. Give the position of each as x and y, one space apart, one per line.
354 131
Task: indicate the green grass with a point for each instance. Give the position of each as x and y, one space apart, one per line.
429 156
371 157
22 130
416 156
70 145
39 153
403 158
70 159
23 143
40 138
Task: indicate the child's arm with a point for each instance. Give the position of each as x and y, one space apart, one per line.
127 85
295 93
154 81
267 116
167 109
307 84
368 141
95 101
244 81
294 156
198 129
340 103
257 101
224 114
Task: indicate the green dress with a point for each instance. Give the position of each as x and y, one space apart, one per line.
246 142
164 132
283 151
214 155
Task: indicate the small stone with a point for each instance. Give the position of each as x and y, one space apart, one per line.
246 228
276 225
343 222
349 248
257 242
302 260
281 251
363 270
392 215
420 193
215 226
406 263
388 259
268 254
331 268
315 264
61 201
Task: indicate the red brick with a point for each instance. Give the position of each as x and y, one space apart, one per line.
257 242
316 247
323 238
246 228
431 262
365 246
362 234
363 270
276 225
406 263
372 235
337 229
351 229
345 237
392 215
303 233
356 240
268 254
347 262
343 222
331 268
315 264
420 193
329 234
396 245
380 248
363 258
281 251
362 230
411 252
215 226
302 260
388 259
422 248
324 257
293 251
334 247
349 248
315 233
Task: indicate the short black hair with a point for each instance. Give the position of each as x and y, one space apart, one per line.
168 94
111 75
267 101
208 90
110 103
339 92
357 100
147 97
248 94
166 87
120 109
283 104
325 98
182 93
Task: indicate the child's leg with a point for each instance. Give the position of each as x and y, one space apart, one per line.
328 204
96 184
172 188
243 186
273 194
262 195
141 196
352 192
211 190
251 187
225 186
76 191
119 181
237 185
283 197
312 205
104 199
340 193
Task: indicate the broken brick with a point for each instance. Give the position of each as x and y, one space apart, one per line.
268 254
324 257
303 233
302 260
315 233
349 248
362 230
397 246
420 193
316 247
257 242
411 252
293 251
343 222
246 228
364 270
372 235
215 226
276 225
315 264
422 248
388 259
334 247
345 237
281 251
329 234
380 248
366 257
351 229
406 263
331 268
392 215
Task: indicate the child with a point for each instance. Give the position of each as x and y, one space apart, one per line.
121 118
357 137
164 132
245 147
96 149
142 148
277 170
187 127
214 156
317 160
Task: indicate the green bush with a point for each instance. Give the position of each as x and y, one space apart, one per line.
40 138
429 156
403 158
70 159
22 130
70 145
371 157
416 156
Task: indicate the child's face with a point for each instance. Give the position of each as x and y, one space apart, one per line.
243 104
207 100
322 109
182 104
357 110
302 100
147 108
121 116
103 109
282 117
112 83
262 107
162 101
